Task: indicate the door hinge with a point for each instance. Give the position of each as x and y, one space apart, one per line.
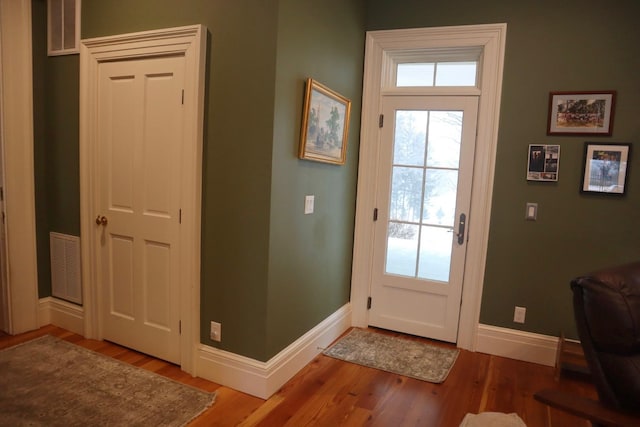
375 214
182 96
381 120
369 303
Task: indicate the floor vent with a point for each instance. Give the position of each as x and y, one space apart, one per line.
65 267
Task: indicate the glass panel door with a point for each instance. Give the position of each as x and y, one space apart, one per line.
426 159
423 197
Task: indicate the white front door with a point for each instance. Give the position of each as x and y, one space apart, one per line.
423 195
139 145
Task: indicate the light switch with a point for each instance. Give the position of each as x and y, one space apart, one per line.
308 204
532 212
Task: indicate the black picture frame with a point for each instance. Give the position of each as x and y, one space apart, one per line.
606 168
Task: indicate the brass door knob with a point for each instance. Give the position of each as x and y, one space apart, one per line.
101 220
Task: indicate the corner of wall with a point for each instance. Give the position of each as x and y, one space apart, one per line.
61 313
263 379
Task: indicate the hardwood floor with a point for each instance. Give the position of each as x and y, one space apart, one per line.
329 392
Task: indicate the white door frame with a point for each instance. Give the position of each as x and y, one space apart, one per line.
16 137
189 41
379 46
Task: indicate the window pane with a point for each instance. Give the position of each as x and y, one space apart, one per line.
69 24
445 135
406 194
456 74
440 189
55 30
435 253
461 73
415 74
410 138
402 249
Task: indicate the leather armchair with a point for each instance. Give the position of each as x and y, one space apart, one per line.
606 307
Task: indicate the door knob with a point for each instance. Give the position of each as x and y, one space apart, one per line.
101 220
461 224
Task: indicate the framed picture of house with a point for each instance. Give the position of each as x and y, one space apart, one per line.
606 167
325 124
581 113
543 163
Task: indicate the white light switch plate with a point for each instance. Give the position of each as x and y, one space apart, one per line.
532 211
308 204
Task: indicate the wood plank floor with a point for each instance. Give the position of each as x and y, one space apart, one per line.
329 392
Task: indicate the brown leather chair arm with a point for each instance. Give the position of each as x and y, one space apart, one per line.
589 409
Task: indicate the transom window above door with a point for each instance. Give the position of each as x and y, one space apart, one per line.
413 74
433 68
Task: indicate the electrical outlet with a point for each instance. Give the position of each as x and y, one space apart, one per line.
519 314
216 331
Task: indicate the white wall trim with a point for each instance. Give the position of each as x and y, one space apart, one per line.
263 379
54 311
519 345
189 41
19 187
491 38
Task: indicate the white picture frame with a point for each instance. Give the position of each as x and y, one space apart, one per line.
543 163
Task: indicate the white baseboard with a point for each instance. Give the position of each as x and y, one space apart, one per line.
53 311
519 345
263 379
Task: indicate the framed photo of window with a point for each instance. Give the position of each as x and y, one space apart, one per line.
606 166
581 113
325 124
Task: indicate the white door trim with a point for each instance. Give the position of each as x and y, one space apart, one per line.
491 38
189 41
17 143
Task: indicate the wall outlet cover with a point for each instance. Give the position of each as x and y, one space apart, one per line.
216 331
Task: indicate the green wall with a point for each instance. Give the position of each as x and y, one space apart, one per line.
238 140
39 37
56 161
551 46
310 255
269 273
249 158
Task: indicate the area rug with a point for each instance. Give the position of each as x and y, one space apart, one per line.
397 355
50 382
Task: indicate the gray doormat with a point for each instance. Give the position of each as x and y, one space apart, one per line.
397 355
50 382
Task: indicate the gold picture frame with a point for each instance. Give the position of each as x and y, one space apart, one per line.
325 124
